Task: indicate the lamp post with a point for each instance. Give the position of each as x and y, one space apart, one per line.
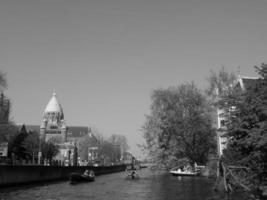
75 155
41 137
39 151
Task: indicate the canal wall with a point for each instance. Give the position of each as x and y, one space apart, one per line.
16 175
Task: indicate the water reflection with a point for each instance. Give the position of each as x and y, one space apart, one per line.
151 185
187 188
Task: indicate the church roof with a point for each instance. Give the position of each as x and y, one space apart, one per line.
33 128
73 131
77 131
54 105
247 83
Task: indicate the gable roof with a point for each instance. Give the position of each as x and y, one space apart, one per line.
73 131
77 131
247 83
34 128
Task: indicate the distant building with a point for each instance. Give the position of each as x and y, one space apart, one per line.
55 129
244 83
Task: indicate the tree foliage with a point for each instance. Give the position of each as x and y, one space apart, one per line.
49 151
15 144
31 145
220 82
247 130
7 132
84 144
120 143
24 145
7 128
180 126
3 82
109 149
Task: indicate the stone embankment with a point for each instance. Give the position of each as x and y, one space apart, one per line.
16 175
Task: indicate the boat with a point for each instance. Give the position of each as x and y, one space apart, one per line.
77 177
132 174
184 171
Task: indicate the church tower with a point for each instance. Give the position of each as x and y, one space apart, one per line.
53 126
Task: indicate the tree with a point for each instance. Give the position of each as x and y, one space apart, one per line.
49 151
7 129
83 147
15 144
31 145
247 130
3 82
220 82
120 145
179 127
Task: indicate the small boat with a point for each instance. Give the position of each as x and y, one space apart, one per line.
132 174
178 171
77 177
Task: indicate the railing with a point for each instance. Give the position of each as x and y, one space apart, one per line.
234 177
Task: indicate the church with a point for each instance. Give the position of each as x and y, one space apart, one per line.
54 129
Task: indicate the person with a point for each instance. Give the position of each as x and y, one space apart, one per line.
133 174
86 172
133 168
91 173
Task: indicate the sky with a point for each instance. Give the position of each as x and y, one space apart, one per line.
104 58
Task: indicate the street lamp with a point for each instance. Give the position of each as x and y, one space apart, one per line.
39 151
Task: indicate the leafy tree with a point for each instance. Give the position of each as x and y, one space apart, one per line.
7 132
120 145
3 82
83 147
247 130
109 151
31 145
220 82
16 146
7 128
179 127
49 151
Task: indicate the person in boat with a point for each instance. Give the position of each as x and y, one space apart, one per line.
133 174
86 173
133 168
89 173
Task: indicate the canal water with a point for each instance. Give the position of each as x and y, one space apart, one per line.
151 185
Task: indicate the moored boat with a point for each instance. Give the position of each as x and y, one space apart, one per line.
77 177
188 171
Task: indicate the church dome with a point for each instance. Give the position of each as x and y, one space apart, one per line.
54 109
